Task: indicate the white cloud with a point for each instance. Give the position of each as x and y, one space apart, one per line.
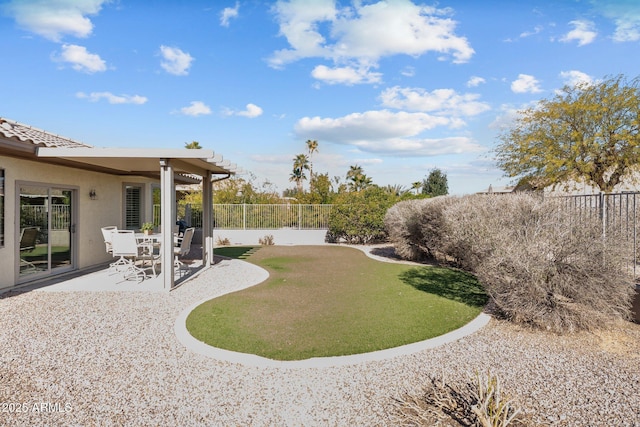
392 133
298 22
271 158
475 81
505 119
574 77
80 59
408 71
112 99
54 19
440 101
228 13
364 33
626 16
251 111
196 108
536 30
175 61
583 32
371 124
365 162
526 84
420 147
345 75
627 30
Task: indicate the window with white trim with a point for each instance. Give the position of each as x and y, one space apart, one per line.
132 207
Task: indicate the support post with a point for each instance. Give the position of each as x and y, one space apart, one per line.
207 220
167 217
603 213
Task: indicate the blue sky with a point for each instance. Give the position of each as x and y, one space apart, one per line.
397 87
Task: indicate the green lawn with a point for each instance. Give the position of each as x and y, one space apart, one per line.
331 300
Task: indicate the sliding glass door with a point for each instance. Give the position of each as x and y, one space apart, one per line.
47 229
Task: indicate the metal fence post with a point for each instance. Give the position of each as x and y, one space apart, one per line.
635 236
603 213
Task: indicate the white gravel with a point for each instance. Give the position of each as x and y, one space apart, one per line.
112 358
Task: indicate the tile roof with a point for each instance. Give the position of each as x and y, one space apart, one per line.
14 130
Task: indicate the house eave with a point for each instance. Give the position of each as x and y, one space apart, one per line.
136 161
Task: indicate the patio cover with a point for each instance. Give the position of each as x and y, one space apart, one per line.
167 165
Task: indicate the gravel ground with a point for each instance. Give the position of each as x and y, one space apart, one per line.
112 358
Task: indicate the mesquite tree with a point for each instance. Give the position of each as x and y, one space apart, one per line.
588 132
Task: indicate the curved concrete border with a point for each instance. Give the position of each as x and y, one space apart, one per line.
200 347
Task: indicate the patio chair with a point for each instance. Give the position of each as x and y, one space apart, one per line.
184 248
28 237
106 234
125 246
147 252
177 238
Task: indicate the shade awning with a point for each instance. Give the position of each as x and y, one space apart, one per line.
136 161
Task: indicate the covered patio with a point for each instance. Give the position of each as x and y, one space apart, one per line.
169 166
102 279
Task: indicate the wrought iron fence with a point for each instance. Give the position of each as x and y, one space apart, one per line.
259 216
616 211
39 215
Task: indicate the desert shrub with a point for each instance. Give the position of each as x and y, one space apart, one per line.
556 272
479 401
434 227
472 225
222 242
266 240
358 217
403 226
541 264
416 227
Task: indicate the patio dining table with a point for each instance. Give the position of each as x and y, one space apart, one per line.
155 238
149 243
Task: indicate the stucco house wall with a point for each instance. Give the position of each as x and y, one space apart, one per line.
106 209
97 178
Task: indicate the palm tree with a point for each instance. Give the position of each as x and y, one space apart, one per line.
312 147
297 175
300 163
193 145
359 181
396 190
354 170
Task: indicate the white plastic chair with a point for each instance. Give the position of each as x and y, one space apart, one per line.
106 234
125 246
184 248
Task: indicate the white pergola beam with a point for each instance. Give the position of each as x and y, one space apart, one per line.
167 209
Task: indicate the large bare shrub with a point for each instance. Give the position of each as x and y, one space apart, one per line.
433 226
473 223
403 227
541 264
416 227
550 269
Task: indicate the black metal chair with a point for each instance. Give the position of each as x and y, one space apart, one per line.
28 239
